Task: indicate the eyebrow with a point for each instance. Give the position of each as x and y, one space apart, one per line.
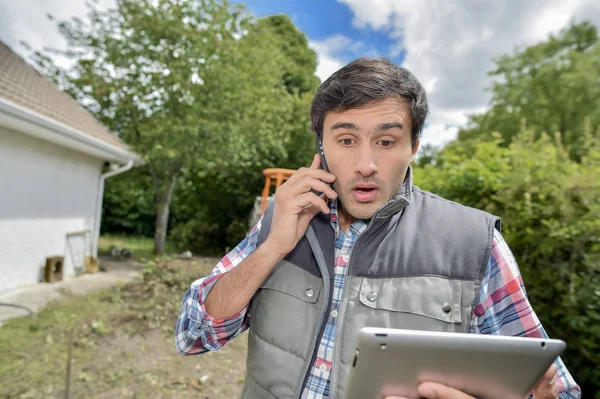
380 128
389 125
344 125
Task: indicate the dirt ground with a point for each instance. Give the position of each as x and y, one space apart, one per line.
123 345
155 370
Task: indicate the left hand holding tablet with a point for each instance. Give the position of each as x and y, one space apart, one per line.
545 389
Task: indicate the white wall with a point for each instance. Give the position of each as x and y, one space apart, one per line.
45 192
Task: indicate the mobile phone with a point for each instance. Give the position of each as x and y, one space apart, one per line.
322 159
321 154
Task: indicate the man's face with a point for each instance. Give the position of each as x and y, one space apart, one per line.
368 149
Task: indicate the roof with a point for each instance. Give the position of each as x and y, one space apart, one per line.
21 84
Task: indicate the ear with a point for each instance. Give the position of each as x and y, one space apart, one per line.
415 149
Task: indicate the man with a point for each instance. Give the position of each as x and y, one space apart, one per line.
357 246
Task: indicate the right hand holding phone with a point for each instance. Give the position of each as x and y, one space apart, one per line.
296 205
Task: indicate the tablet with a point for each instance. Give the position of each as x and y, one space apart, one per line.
393 362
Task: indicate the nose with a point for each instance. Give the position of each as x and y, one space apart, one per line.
366 165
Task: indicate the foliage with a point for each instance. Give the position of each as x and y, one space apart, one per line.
128 206
551 220
544 185
298 72
427 154
208 95
271 128
554 85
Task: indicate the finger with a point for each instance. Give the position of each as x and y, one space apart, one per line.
553 371
545 392
308 184
307 199
319 174
549 375
316 162
546 386
432 390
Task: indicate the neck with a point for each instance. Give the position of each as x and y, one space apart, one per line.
344 218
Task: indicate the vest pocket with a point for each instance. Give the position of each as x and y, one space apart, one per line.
431 296
289 279
254 391
285 312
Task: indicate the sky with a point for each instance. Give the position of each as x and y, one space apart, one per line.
448 45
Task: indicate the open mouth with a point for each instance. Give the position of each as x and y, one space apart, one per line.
364 194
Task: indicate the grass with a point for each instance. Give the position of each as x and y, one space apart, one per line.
122 344
142 247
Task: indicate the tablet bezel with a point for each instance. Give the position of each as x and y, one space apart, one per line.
485 366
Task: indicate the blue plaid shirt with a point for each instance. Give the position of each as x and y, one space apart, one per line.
319 378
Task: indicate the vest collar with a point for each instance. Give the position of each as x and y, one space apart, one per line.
401 200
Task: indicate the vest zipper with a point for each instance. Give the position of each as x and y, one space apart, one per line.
327 285
342 313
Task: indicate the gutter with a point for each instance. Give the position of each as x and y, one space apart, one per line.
23 120
99 200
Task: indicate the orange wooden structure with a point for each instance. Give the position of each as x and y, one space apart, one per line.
273 176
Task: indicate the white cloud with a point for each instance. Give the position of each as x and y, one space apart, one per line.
438 135
328 53
26 20
450 45
333 44
336 51
327 66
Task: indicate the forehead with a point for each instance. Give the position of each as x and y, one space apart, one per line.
367 116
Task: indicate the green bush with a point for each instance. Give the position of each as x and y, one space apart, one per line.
197 236
550 210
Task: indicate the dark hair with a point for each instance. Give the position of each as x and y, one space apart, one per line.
365 81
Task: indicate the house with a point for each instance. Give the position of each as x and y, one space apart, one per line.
53 160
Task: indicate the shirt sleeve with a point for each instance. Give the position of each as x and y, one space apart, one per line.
197 331
504 309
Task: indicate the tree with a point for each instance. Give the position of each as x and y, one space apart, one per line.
551 220
155 72
269 121
427 154
298 73
553 85
128 206
207 94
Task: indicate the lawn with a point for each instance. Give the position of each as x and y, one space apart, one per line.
142 247
122 344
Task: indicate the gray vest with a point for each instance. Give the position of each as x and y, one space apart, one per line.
418 265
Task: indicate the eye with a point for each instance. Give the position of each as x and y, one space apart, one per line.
387 143
346 141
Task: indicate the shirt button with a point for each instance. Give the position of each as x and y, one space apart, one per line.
334 313
323 367
446 307
309 292
372 296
